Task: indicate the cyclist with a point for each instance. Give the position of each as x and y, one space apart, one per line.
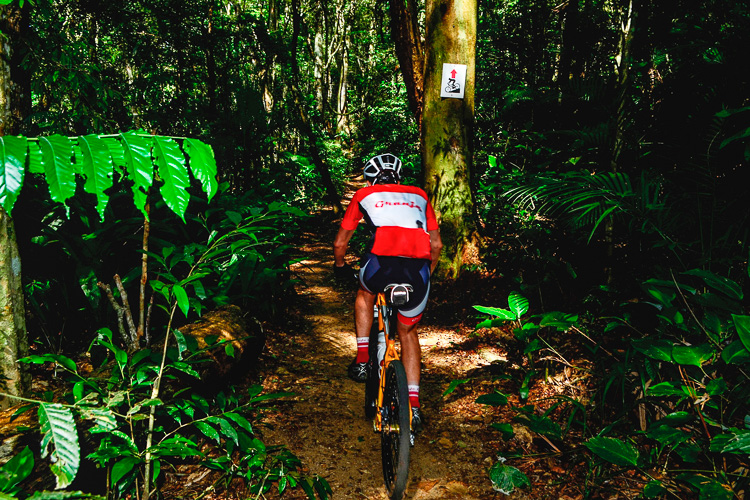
404 248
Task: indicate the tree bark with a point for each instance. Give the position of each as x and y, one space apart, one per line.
408 39
13 338
447 128
14 379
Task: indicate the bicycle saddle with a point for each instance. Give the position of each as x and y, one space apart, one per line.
399 293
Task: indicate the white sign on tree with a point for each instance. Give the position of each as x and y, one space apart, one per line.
454 81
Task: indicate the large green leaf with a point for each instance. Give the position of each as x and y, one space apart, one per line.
202 164
59 170
613 450
655 348
518 304
16 470
742 324
735 354
737 441
503 314
505 478
493 399
718 283
692 355
34 161
173 171
97 169
140 167
60 442
13 152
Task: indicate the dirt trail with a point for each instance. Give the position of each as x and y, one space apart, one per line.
324 424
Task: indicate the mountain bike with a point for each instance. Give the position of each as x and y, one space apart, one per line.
387 392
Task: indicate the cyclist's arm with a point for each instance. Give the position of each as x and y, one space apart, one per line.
340 245
436 245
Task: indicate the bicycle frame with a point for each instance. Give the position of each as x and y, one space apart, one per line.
385 322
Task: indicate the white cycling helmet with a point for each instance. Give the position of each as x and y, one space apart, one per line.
383 169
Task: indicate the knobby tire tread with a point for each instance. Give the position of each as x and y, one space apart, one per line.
396 444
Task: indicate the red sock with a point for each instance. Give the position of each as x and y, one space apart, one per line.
414 396
363 344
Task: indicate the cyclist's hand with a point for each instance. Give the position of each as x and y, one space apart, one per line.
343 274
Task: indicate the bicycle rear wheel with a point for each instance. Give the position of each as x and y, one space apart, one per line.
395 436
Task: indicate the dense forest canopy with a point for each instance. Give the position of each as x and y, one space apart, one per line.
609 155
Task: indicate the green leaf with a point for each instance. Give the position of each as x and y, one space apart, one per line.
226 428
667 436
716 387
140 168
492 399
558 320
718 283
16 470
59 171
60 442
518 304
97 169
453 385
505 478
676 419
103 418
123 468
13 152
613 451
737 441
182 299
692 355
735 354
541 425
654 489
173 171
203 165
669 388
655 348
714 490
208 431
241 421
495 311
505 429
742 324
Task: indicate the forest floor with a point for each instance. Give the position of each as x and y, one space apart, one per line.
324 425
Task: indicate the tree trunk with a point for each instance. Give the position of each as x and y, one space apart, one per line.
447 128
13 340
13 379
409 50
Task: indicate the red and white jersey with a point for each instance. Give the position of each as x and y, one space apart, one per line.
400 217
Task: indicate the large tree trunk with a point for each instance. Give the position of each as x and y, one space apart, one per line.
13 341
447 128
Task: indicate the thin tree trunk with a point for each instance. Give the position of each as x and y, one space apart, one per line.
409 50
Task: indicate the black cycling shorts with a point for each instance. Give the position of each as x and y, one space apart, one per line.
376 272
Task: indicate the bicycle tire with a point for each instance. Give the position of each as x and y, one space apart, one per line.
395 438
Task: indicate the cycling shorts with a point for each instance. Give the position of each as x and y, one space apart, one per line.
376 272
